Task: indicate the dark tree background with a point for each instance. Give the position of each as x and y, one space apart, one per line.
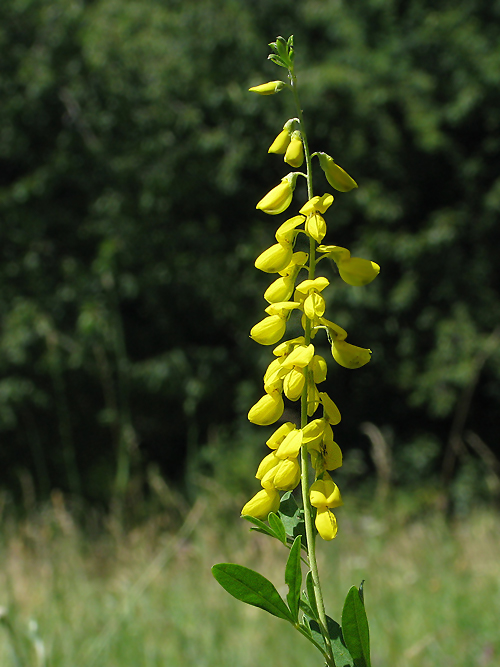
131 159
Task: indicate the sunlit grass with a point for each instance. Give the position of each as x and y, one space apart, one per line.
145 597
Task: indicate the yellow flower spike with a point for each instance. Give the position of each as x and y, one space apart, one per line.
326 524
316 227
350 356
264 502
320 204
280 197
293 384
294 155
280 144
280 434
358 272
287 476
267 410
336 252
287 228
332 413
275 258
267 463
319 368
291 444
269 330
300 356
335 175
269 88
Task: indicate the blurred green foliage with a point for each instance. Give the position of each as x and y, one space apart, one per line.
131 159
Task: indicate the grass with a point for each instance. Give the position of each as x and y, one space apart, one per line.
144 597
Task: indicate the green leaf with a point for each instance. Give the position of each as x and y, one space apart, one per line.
251 587
281 47
355 628
293 578
277 526
277 60
261 527
311 595
340 652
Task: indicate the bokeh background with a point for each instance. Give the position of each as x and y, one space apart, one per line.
131 160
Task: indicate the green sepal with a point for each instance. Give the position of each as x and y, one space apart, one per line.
251 587
355 628
277 60
292 517
341 654
306 628
293 578
277 526
311 595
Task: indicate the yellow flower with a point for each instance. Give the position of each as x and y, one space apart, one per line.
264 502
358 272
294 155
282 288
268 88
350 356
280 197
353 270
269 330
321 204
267 410
316 227
280 434
308 294
324 494
290 445
335 175
275 258
280 144
293 384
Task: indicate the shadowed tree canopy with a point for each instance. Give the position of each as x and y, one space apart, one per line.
131 160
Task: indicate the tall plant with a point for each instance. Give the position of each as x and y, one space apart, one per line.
299 451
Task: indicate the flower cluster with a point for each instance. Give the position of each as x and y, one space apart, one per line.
297 370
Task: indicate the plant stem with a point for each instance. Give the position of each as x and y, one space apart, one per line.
310 536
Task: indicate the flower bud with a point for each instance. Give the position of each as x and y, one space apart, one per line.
287 475
264 502
335 175
280 197
280 434
269 88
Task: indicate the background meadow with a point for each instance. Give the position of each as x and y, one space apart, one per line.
131 159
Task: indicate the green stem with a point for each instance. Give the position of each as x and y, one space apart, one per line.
310 535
